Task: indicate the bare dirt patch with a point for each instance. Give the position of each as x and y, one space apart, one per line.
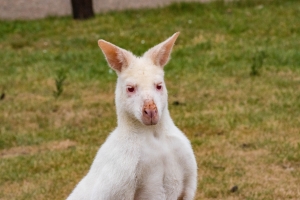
30 150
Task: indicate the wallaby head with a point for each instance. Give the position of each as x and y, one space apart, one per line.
141 94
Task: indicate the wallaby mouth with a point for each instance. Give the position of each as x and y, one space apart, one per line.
150 115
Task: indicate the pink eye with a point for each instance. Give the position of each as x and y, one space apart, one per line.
130 89
158 87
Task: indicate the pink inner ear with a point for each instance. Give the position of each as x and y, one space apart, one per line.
160 54
164 56
166 49
114 55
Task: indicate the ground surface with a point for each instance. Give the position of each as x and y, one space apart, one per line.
233 84
34 9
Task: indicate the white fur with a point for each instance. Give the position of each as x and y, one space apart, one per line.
139 161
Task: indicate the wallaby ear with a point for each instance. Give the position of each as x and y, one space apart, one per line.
116 57
160 54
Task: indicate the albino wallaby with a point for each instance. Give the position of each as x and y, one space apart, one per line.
146 156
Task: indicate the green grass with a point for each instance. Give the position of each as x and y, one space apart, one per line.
233 85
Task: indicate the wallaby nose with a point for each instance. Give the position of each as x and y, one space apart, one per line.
150 112
150 115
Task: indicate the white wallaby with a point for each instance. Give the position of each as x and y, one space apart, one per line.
146 156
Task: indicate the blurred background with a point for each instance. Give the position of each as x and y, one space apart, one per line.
34 9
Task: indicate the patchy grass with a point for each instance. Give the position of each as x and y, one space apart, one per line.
239 107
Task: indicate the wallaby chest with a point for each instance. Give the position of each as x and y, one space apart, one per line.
159 168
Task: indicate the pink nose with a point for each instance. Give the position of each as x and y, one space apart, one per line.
150 116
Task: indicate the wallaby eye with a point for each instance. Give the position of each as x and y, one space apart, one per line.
159 86
130 89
